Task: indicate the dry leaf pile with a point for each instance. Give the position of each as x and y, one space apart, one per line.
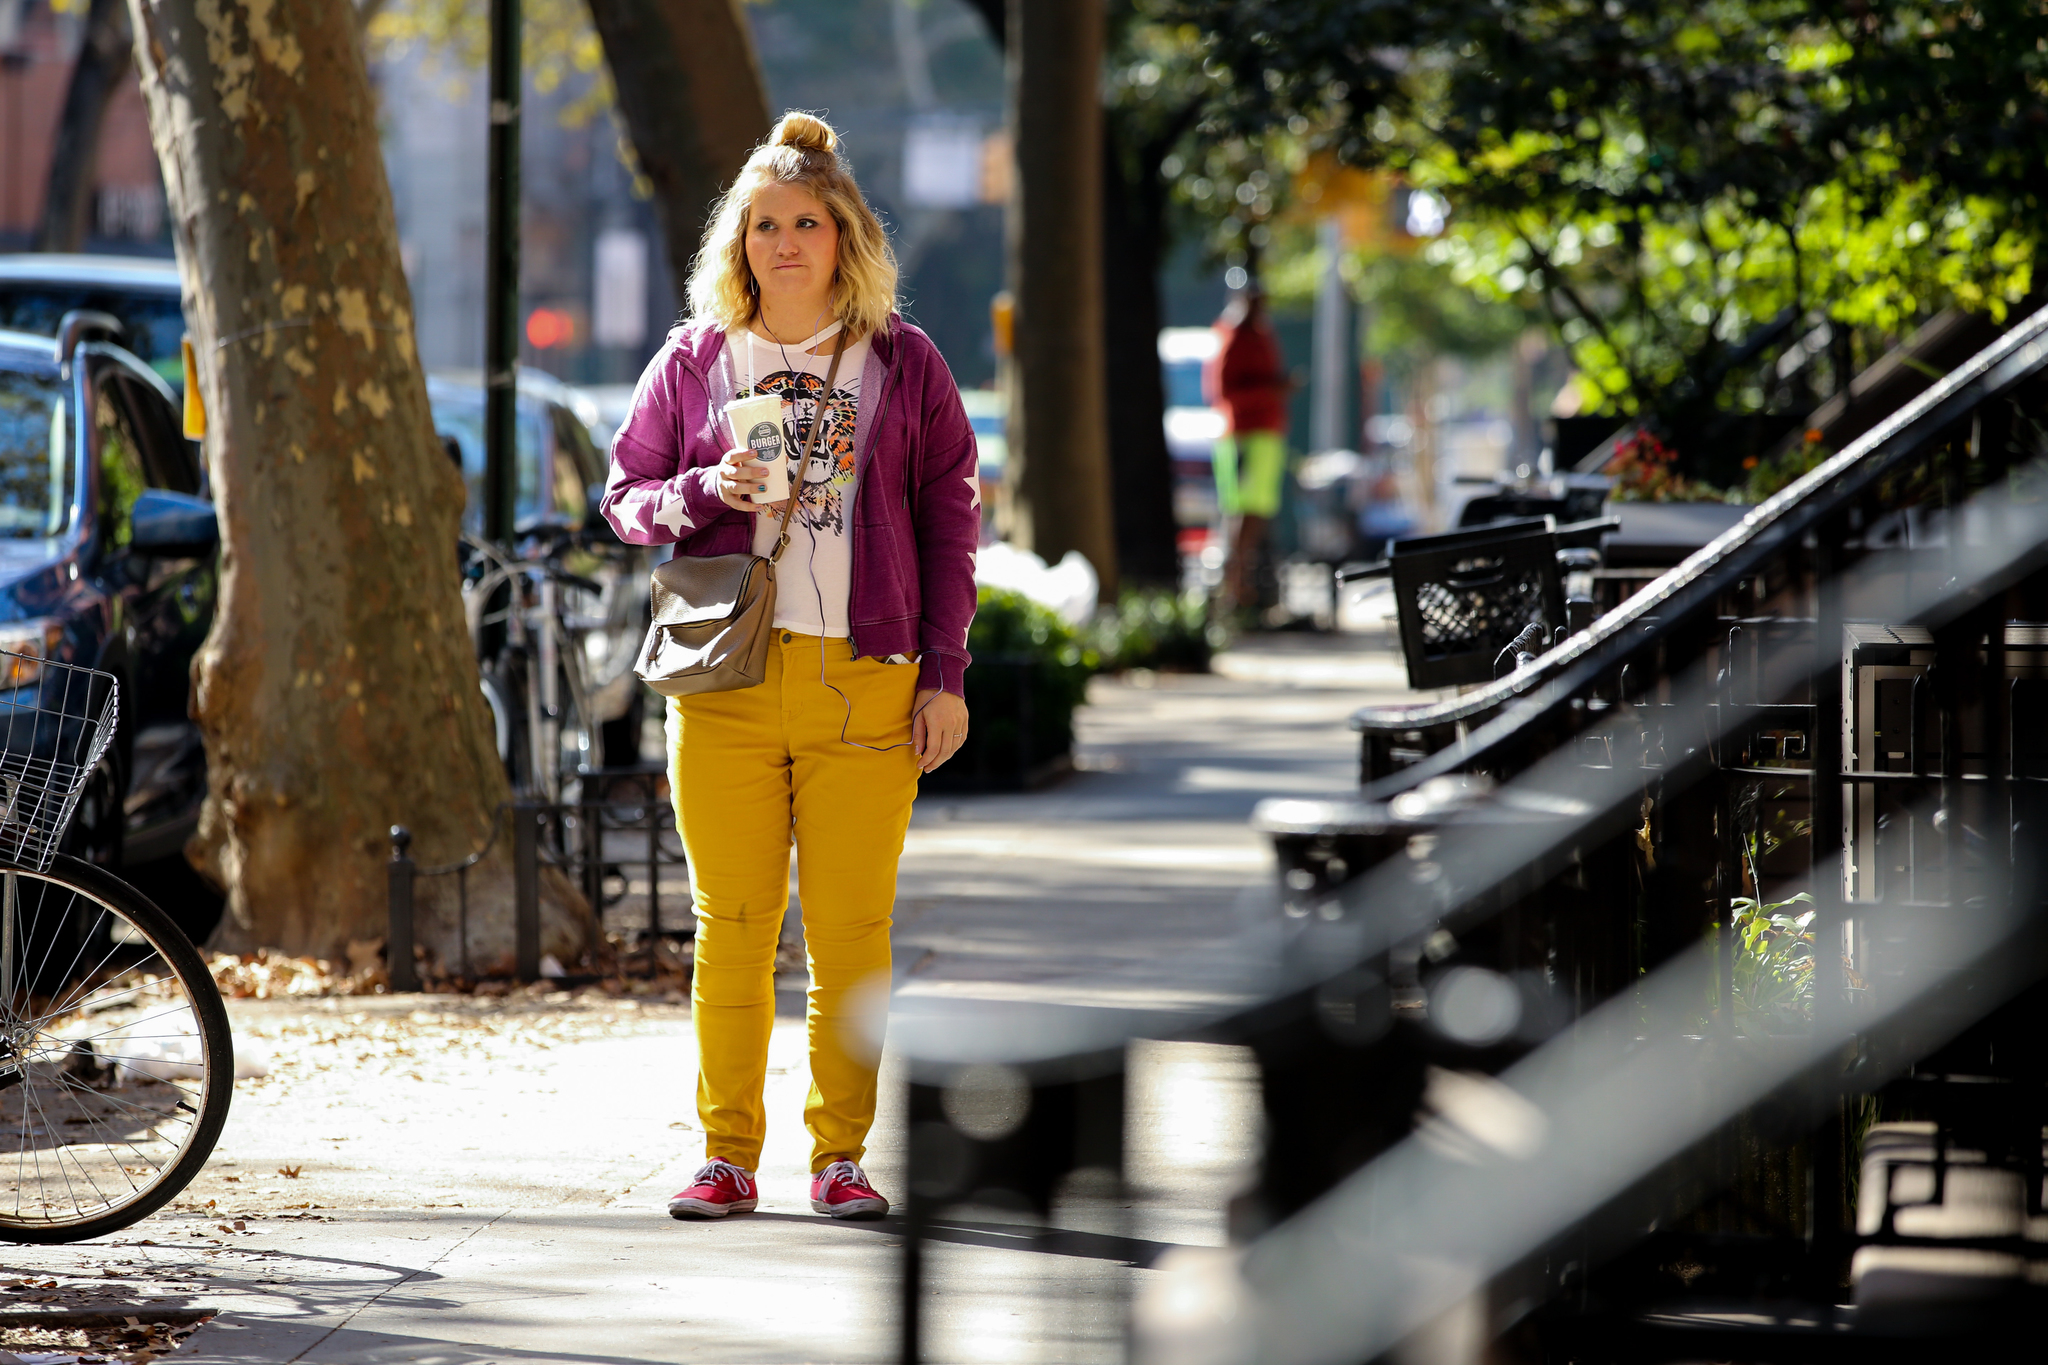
622 966
133 1341
267 975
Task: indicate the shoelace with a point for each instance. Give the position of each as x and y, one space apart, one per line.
844 1170
712 1169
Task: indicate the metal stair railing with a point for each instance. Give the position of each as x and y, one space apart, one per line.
1733 669
1554 888
1395 738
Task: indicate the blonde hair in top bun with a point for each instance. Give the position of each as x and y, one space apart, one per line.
803 150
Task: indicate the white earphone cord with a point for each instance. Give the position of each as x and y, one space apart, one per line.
821 409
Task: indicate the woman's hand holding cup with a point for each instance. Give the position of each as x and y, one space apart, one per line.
740 476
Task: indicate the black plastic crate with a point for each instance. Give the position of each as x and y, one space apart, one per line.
1463 597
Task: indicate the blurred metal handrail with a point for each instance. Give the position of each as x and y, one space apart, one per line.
1569 763
1612 639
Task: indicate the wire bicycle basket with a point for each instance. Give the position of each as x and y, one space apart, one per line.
56 721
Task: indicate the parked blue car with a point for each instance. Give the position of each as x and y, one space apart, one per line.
109 557
38 288
559 470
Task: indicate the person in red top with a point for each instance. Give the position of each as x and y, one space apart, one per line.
1247 382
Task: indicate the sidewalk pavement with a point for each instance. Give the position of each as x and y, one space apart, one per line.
451 1179
1069 894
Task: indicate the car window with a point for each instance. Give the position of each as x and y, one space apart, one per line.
168 460
571 435
575 458
38 457
1183 383
155 321
459 416
122 477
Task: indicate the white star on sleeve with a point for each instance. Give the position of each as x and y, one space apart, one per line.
973 490
673 516
637 512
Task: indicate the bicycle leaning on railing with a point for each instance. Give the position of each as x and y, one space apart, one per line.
558 677
116 1066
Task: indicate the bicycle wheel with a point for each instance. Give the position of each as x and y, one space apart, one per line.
116 1066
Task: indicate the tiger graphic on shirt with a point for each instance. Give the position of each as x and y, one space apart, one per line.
821 506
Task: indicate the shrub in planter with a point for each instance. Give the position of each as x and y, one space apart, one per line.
1030 671
1158 630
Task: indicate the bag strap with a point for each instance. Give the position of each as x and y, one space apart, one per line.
796 482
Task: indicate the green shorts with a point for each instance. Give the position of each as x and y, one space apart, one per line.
1249 468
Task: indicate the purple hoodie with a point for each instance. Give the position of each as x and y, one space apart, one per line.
916 494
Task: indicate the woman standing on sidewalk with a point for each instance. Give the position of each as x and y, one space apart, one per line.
863 691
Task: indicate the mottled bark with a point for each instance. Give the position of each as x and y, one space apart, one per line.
74 153
366 14
337 691
1058 435
690 90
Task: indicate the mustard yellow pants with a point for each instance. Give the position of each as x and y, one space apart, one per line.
753 771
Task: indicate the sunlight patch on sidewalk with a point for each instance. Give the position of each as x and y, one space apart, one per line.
1062 847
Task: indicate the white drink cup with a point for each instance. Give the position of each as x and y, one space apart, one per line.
757 428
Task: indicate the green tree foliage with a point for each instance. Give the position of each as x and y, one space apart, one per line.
1200 168
1665 179
559 49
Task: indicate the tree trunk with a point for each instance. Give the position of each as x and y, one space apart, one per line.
1133 243
995 14
691 91
1058 434
337 691
1141 467
74 153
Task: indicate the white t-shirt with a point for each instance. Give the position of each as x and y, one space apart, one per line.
814 578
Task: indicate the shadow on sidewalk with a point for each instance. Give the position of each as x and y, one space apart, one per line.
267 1345
1135 1252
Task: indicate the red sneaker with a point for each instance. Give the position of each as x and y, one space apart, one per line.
842 1191
716 1190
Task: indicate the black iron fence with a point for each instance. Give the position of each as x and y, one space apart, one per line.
617 844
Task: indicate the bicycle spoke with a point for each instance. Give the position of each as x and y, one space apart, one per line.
66 1045
71 1149
86 980
57 1150
179 1007
100 1001
35 1152
70 972
62 1148
140 1155
155 1116
114 1027
21 1156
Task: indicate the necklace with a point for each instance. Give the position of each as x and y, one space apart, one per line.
807 346
816 334
821 406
